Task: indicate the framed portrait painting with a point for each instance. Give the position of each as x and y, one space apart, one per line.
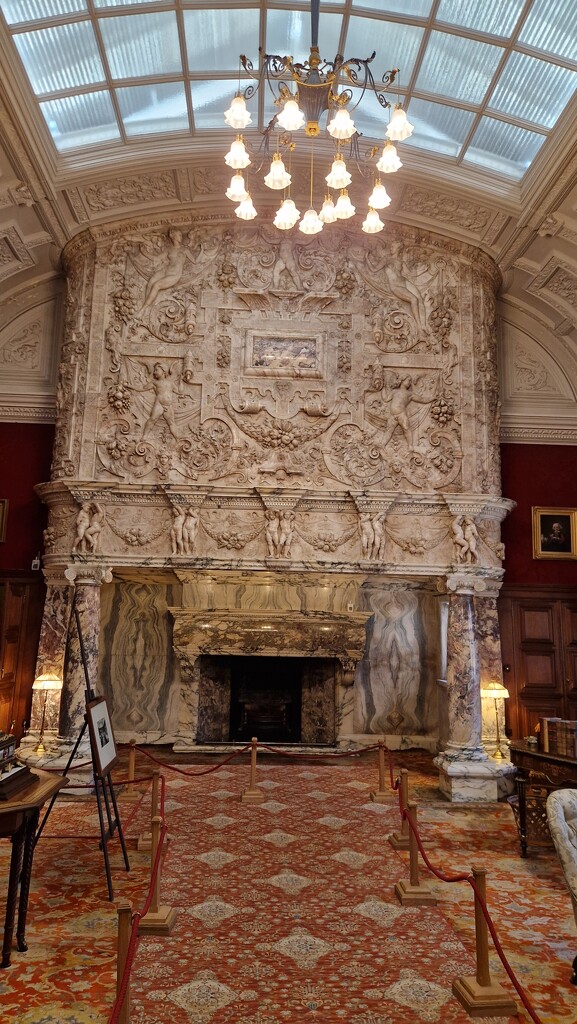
102 740
554 533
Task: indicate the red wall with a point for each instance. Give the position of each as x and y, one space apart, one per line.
25 457
541 475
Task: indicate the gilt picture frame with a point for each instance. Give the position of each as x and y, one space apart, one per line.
554 533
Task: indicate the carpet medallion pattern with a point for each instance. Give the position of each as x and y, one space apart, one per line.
286 909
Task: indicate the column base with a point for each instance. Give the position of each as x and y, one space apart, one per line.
55 756
481 780
483 1000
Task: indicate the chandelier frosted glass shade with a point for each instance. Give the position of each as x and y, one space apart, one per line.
341 126
338 176
344 208
372 223
389 159
278 176
237 116
379 197
328 214
286 215
237 156
246 210
291 117
399 127
311 223
236 191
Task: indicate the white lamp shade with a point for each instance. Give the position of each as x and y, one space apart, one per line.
311 223
341 126
338 176
278 176
328 214
344 208
237 156
237 116
246 210
373 223
399 127
389 160
286 215
494 690
379 198
236 191
291 117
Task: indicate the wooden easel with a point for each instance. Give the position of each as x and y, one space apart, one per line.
103 785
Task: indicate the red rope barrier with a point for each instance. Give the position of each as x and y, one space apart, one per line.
498 947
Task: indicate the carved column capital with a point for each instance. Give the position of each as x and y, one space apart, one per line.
88 574
470 583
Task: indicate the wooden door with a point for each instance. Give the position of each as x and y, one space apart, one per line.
21 602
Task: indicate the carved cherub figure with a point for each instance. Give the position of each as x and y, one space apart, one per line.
176 535
190 529
170 273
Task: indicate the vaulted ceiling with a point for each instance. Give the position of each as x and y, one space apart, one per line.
114 110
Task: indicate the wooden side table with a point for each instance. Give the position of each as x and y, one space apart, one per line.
538 774
18 822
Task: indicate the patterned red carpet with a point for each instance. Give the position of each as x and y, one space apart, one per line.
286 910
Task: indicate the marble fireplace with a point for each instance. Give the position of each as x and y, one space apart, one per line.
278 449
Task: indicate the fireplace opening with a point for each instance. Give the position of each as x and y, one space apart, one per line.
277 699
265 699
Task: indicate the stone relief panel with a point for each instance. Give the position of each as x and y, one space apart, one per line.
236 356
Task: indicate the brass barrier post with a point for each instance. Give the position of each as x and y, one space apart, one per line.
252 795
381 795
480 996
400 840
124 912
144 841
414 893
160 919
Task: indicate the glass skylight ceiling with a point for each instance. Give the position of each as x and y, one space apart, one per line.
483 83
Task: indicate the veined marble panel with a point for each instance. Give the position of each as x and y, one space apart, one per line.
396 688
138 668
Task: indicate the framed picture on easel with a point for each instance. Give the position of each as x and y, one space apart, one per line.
101 735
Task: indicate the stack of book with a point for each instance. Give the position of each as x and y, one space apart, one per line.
558 736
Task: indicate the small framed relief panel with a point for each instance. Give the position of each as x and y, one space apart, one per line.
554 533
273 355
3 518
101 735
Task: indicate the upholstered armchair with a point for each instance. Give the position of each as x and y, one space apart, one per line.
562 818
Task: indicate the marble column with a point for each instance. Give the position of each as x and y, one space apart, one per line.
87 579
466 772
50 658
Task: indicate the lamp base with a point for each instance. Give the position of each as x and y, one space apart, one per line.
498 755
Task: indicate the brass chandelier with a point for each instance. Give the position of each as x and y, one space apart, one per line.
318 88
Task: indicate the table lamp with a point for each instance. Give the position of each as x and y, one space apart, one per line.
44 683
498 692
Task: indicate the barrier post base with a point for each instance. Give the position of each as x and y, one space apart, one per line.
380 796
252 796
159 922
398 841
144 842
415 895
483 1000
